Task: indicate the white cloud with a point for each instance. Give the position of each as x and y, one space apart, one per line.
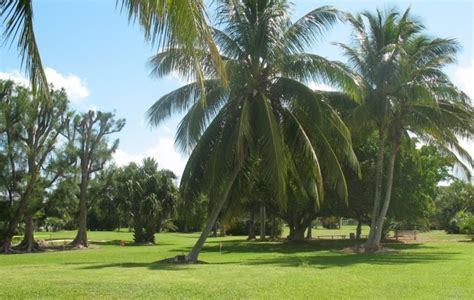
464 77
122 158
15 76
75 87
164 152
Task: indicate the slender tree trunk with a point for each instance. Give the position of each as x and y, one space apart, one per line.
214 230
194 253
359 228
388 196
378 190
274 234
252 234
309 234
222 229
81 237
262 222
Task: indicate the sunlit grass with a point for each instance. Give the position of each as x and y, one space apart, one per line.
440 269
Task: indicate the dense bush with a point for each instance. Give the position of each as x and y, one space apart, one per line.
241 227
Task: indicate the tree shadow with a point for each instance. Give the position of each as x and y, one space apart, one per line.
322 261
151 266
127 243
317 254
244 246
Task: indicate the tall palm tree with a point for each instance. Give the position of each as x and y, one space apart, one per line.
167 23
267 114
406 92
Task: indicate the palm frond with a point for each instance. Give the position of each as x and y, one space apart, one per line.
17 17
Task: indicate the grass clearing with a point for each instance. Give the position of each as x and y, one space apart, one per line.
439 269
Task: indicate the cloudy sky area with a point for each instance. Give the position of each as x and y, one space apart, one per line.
90 50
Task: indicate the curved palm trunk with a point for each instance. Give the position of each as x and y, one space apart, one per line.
194 253
378 190
388 196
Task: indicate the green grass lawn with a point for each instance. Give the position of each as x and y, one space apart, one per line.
439 269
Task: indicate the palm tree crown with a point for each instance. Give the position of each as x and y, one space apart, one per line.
267 112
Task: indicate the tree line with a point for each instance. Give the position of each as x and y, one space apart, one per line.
254 126
43 143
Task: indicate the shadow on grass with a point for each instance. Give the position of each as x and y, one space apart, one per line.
127 243
243 246
150 266
317 254
343 260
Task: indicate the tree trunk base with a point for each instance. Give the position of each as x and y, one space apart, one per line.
28 246
181 259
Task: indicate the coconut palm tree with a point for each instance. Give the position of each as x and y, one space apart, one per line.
406 93
164 22
267 113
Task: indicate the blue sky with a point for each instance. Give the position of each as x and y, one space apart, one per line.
89 48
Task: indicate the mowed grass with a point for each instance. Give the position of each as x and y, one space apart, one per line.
441 268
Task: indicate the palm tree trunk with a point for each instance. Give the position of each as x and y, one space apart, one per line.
262 222
378 190
388 196
194 253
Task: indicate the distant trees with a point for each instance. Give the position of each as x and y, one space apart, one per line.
454 203
37 161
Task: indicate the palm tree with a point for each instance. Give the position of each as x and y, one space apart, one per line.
17 18
266 114
406 93
167 23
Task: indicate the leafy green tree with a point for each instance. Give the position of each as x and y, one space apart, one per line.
30 129
191 215
405 92
458 196
104 211
465 221
267 112
89 134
